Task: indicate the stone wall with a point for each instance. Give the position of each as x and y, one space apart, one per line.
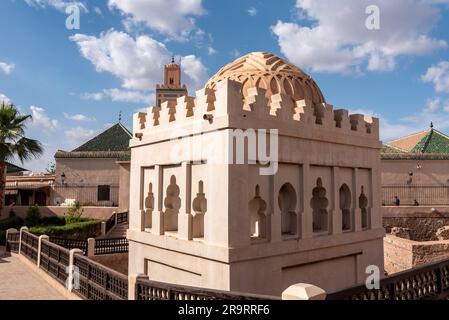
402 254
423 222
117 262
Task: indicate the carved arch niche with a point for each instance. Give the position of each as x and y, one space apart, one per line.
319 204
287 200
258 216
199 206
172 204
149 206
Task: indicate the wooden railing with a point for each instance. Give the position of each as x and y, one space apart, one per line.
29 246
98 282
122 217
152 290
428 282
54 260
110 223
70 243
111 246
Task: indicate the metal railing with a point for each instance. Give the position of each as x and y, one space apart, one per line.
428 282
87 195
407 194
98 282
152 290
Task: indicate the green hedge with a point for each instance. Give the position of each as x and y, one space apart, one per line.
2 237
82 229
11 223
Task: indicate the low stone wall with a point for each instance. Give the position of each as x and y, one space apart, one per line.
102 213
402 254
423 222
117 262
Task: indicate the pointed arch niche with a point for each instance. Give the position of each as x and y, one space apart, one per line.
345 208
149 207
363 205
172 204
287 201
319 204
199 206
258 220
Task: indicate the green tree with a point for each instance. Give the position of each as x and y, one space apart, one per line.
13 142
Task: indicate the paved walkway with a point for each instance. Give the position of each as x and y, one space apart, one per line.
19 282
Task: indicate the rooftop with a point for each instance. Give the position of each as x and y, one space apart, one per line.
428 144
111 143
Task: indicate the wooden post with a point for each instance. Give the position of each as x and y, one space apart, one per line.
20 241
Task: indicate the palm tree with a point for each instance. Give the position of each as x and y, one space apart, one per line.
13 143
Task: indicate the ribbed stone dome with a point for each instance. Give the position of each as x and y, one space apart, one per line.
272 73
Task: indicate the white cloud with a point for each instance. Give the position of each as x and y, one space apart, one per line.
42 121
211 51
98 11
252 11
78 117
60 5
6 68
77 136
174 18
138 62
4 99
119 95
439 76
336 39
432 105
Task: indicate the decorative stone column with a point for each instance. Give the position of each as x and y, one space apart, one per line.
132 281
90 247
39 248
20 242
185 222
158 213
71 279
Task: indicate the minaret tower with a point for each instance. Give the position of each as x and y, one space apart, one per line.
172 87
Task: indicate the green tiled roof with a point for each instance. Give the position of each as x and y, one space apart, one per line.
433 142
390 149
115 138
93 154
433 146
12 168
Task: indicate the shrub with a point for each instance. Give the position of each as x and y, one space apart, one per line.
33 216
74 213
77 230
11 223
52 221
12 214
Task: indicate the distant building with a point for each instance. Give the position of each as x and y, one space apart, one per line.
96 172
416 167
172 88
25 189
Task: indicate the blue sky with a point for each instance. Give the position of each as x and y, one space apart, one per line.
75 82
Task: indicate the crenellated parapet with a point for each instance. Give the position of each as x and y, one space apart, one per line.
255 110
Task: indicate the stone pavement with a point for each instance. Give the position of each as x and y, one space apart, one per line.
20 282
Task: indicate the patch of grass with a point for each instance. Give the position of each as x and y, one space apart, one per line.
81 229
